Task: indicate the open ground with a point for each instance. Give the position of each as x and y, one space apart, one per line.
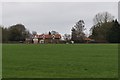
60 60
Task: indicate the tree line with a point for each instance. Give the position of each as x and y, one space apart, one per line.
104 29
14 33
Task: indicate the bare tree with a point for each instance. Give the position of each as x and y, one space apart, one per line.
101 18
54 32
78 31
79 26
34 33
102 24
67 37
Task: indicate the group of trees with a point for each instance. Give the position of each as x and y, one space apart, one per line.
105 28
16 32
77 34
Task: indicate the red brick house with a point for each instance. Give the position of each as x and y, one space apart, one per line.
48 38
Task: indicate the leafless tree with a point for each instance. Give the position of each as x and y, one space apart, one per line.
78 31
34 33
101 18
67 37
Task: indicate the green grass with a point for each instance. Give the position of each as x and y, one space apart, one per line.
60 61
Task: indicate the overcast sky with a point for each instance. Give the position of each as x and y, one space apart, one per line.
59 16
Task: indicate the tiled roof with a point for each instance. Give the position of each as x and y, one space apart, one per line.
47 36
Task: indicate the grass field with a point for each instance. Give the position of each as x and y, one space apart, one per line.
60 61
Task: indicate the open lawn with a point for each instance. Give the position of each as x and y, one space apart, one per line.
60 60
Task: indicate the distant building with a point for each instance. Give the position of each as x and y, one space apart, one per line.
88 40
47 38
